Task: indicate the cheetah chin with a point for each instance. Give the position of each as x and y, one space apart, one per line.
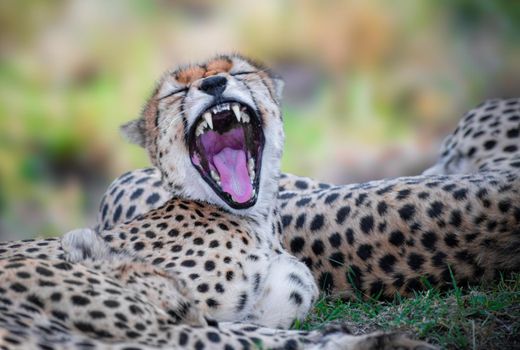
226 144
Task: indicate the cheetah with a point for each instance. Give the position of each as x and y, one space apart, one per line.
206 269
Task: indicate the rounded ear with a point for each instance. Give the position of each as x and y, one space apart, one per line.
134 132
278 87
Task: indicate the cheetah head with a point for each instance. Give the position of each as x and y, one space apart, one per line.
215 132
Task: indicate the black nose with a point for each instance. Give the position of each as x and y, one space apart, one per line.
214 85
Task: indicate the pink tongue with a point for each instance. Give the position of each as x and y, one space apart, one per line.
234 177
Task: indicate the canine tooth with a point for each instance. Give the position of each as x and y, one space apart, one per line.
215 176
236 111
209 119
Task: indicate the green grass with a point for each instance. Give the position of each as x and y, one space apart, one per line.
485 317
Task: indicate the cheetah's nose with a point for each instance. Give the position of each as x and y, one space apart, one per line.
214 85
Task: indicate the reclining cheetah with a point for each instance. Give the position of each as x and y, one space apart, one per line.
211 252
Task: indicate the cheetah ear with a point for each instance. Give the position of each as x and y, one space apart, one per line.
278 86
134 132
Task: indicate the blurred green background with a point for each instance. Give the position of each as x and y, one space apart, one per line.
371 86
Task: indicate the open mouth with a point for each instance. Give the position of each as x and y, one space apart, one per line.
226 143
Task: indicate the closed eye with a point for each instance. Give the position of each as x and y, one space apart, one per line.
243 73
174 92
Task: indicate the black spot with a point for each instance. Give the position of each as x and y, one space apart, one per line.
209 265
460 194
318 247
386 263
407 212
337 259
342 214
136 194
456 218
511 133
361 199
296 298
366 224
364 251
317 222
157 261
438 260
19 288
44 271
435 210
297 244
130 212
111 303
188 263
465 256
117 213
183 339
490 144
396 238
349 235
355 277
153 198
303 202
212 303
80 300
213 337
242 302
335 240
326 282
286 220
403 194
504 205
229 275
331 198
300 221
203 287
382 208
138 245
415 261
302 185
428 240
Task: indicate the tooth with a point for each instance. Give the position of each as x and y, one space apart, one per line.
215 176
236 111
245 118
200 129
251 164
209 119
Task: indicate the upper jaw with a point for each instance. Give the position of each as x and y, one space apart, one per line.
226 144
